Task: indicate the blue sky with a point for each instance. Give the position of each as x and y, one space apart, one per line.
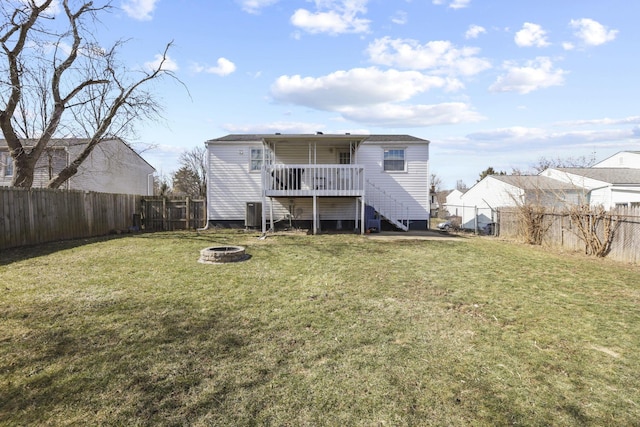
496 83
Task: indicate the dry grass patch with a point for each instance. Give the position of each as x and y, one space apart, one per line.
315 330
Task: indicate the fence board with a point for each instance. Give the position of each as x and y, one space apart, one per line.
561 233
160 213
39 215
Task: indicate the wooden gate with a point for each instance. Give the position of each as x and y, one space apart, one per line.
166 214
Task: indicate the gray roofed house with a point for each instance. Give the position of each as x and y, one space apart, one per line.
318 181
609 187
622 159
112 167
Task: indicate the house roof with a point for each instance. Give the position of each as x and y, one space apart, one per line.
534 182
622 176
317 137
61 143
637 153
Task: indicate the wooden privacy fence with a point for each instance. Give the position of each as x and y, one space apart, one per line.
40 215
561 232
165 214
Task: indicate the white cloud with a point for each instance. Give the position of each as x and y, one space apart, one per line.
536 74
223 68
591 32
439 56
474 31
454 4
53 9
282 127
355 87
139 9
531 35
333 17
396 115
517 136
373 97
168 65
400 17
633 120
254 6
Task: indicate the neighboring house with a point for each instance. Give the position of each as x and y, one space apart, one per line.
479 204
318 181
623 159
435 204
112 167
607 186
453 205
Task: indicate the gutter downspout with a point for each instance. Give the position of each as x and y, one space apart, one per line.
206 202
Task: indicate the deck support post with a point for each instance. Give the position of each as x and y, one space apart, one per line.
362 220
315 214
272 229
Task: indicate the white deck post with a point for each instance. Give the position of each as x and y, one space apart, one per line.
264 201
315 215
271 213
362 220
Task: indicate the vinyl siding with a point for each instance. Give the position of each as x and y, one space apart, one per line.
624 159
410 187
112 167
50 163
231 185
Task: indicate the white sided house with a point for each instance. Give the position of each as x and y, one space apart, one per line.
610 187
479 204
338 181
623 159
112 167
453 205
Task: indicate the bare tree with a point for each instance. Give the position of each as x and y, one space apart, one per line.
461 186
57 81
191 178
563 162
161 185
595 227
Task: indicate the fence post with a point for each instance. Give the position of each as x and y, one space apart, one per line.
187 213
164 214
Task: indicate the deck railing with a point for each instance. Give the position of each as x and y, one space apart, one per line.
282 180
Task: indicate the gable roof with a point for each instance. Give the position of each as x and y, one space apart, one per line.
62 143
619 154
319 137
623 176
534 182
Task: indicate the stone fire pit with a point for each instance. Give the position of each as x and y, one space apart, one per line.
222 254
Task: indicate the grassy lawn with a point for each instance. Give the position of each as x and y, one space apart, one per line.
316 330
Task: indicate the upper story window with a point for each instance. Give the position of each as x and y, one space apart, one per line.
258 157
7 163
394 159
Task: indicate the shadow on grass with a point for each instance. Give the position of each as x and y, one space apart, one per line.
143 367
9 256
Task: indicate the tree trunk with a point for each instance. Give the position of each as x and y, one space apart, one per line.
23 170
